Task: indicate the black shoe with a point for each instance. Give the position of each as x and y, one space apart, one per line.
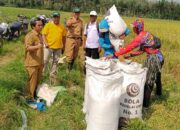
70 65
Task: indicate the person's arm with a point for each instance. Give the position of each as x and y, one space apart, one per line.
133 54
64 42
45 40
84 41
136 53
85 36
102 43
129 47
44 35
82 34
33 48
70 22
64 39
29 44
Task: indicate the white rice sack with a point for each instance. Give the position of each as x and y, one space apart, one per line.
102 95
132 90
116 23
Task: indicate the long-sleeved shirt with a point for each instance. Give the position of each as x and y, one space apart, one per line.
144 39
106 44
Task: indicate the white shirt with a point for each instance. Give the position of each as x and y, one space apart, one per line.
92 35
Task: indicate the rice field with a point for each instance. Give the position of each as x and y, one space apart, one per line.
65 113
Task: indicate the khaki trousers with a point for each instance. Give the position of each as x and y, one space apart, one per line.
34 77
72 48
55 53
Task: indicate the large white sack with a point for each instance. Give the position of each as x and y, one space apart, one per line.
129 67
132 91
104 81
101 65
117 26
102 96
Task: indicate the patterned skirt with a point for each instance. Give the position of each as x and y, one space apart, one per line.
154 66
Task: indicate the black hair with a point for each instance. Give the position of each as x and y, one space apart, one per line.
34 20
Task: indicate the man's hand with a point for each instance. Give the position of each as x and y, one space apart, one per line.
39 45
70 22
73 22
84 48
33 48
46 45
99 49
42 65
127 56
122 37
112 46
81 42
109 57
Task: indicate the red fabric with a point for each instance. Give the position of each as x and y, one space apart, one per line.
151 51
136 53
134 44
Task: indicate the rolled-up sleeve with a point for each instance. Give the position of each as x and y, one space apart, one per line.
28 41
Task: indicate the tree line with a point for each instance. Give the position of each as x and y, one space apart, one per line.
141 8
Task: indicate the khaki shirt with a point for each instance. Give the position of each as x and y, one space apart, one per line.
76 29
35 57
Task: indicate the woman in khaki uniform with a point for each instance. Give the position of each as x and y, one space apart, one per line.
73 37
33 57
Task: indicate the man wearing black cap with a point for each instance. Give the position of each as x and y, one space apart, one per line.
73 37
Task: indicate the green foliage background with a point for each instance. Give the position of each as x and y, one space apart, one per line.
142 8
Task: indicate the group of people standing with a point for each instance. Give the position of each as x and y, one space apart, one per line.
54 38
50 41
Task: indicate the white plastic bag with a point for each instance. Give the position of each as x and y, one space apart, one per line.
117 26
47 93
116 42
62 60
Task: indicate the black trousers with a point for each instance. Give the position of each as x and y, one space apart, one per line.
149 88
92 52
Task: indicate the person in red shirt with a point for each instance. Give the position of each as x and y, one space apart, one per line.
147 43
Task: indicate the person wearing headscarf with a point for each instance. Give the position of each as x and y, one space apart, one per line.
149 44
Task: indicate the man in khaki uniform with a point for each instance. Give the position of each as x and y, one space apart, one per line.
73 37
33 57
